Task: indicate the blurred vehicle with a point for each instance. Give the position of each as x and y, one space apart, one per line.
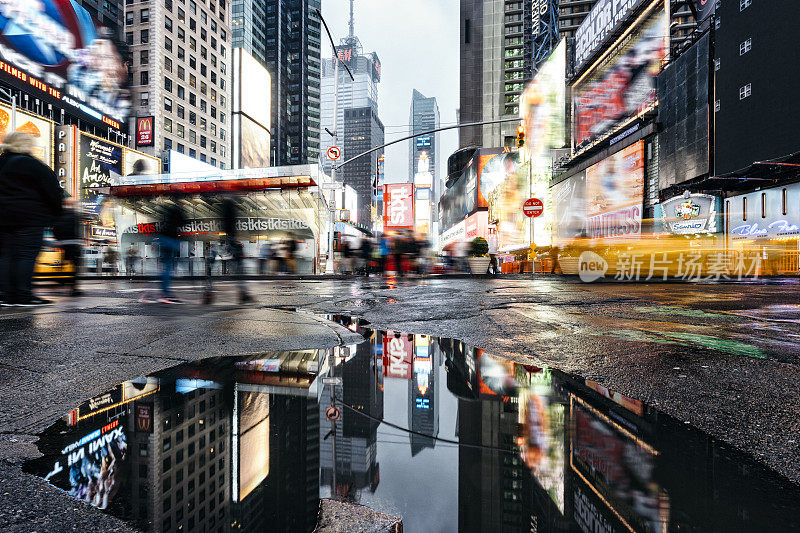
51 266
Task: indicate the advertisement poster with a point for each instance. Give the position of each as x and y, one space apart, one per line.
569 209
614 194
93 464
622 86
55 50
605 16
502 189
40 128
691 214
99 165
139 164
398 351
144 131
398 201
254 144
618 467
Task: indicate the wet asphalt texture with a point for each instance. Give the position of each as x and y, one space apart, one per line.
722 357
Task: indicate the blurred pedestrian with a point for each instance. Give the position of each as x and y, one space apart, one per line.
291 255
230 210
66 230
131 256
169 246
347 254
554 259
384 249
111 258
264 258
366 255
398 251
492 241
30 199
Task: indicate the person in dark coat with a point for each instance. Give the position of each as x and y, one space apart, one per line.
169 246
230 210
30 199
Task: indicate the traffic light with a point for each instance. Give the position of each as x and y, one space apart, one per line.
520 136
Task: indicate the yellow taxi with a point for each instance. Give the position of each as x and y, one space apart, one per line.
51 266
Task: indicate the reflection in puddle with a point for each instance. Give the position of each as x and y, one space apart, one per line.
435 431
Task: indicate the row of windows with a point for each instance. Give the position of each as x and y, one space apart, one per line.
193 8
784 198
181 149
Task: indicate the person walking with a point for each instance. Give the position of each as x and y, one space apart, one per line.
30 199
66 230
229 212
169 246
131 255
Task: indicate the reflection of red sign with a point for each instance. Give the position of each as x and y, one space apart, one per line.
533 207
144 417
144 131
397 354
398 206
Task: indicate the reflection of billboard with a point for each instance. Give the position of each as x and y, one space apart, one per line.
543 438
618 467
398 206
40 128
254 144
252 441
55 52
623 86
614 193
398 351
93 466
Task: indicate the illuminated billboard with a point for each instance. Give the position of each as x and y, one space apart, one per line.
99 165
622 86
40 128
252 441
502 189
138 164
398 206
614 194
251 112
53 50
398 352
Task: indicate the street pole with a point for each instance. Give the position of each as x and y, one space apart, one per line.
329 262
332 366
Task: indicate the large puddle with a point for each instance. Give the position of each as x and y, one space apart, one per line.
441 434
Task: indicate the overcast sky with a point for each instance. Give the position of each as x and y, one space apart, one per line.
417 43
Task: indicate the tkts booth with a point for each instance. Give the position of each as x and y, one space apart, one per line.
276 203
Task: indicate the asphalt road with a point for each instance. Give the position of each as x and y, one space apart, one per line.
723 357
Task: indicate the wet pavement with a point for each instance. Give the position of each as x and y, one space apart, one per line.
446 436
721 358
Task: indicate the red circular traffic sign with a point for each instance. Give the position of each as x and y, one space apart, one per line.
533 207
332 413
334 152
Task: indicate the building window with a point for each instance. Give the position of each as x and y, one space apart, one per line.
129 37
182 35
182 73
192 118
144 36
168 105
129 18
745 91
181 92
168 85
467 31
192 153
193 99
783 201
168 125
144 77
167 146
168 4
168 44
167 64
180 111
144 99
203 141
716 106
745 46
181 148
181 53
144 15
181 132
144 57
203 159
716 64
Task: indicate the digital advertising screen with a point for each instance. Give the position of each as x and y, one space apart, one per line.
569 209
614 194
56 51
502 189
40 128
622 86
254 143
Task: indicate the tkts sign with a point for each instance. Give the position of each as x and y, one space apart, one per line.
398 352
398 206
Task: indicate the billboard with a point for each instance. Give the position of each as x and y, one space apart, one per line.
605 17
398 351
138 164
53 50
622 86
398 206
251 112
144 130
40 128
569 209
252 441
614 194
502 188
254 143
99 165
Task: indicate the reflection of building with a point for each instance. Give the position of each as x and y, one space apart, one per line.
356 434
181 73
423 395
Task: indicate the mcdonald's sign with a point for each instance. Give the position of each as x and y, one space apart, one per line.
144 417
144 131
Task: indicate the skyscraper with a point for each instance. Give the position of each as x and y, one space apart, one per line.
181 75
424 116
291 36
363 130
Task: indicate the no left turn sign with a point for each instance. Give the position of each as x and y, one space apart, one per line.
334 152
332 413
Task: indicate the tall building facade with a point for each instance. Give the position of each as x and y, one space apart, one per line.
363 130
424 116
360 92
292 56
180 75
108 13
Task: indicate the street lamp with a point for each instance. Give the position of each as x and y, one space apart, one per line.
335 133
